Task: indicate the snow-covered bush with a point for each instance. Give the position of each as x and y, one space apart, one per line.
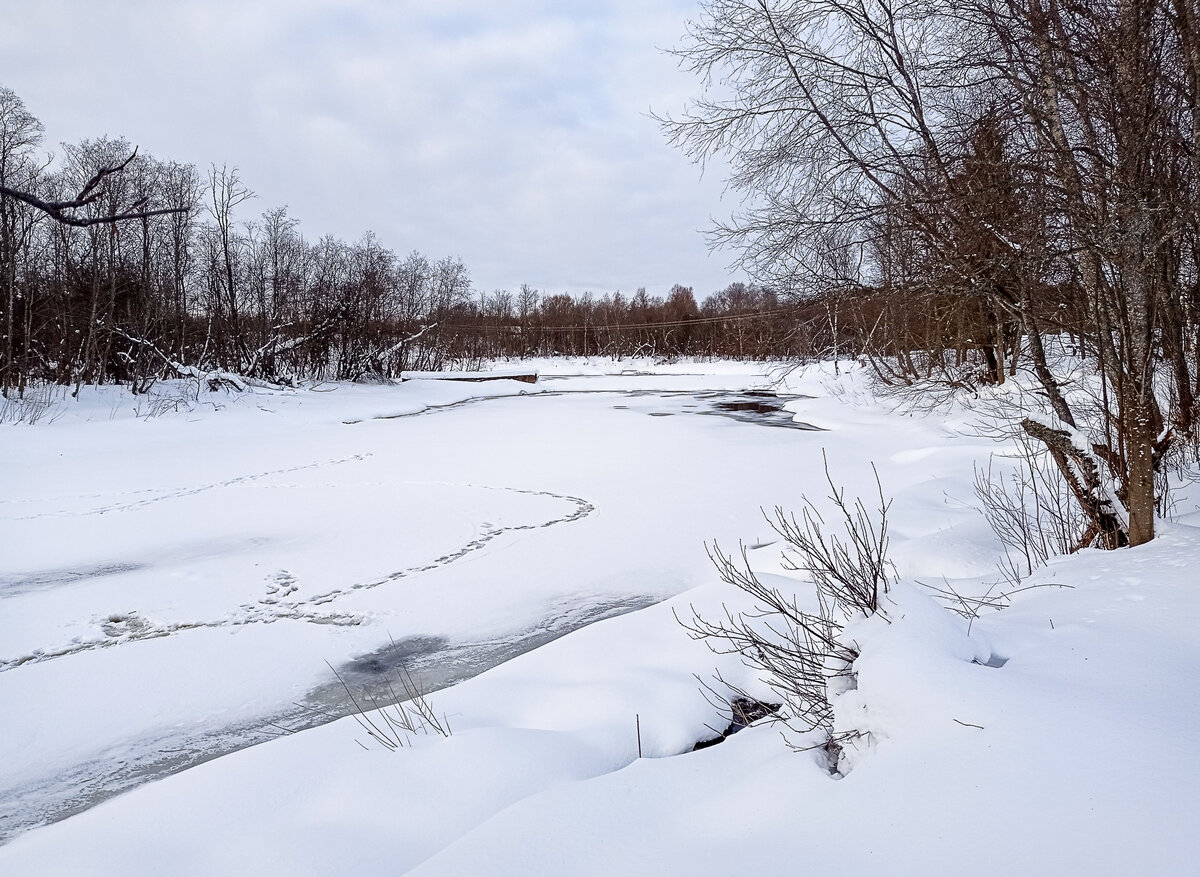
793 637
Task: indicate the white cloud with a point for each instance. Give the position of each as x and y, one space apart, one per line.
515 135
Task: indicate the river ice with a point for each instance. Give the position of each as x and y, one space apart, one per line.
176 588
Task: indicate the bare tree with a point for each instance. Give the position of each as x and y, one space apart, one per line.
20 134
226 193
1031 164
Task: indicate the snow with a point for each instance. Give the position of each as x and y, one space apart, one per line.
200 566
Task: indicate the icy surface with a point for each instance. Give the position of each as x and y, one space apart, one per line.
173 587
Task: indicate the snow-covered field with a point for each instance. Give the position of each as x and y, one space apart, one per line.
177 580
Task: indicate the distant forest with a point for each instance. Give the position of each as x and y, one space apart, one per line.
179 285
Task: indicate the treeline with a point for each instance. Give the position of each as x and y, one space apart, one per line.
738 322
190 289
179 285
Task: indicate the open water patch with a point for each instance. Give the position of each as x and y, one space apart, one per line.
760 407
756 406
379 678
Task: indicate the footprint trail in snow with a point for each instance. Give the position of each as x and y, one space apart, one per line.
281 600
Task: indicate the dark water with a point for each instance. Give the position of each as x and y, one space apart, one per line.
760 407
379 678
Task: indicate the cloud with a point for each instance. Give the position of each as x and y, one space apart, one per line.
515 135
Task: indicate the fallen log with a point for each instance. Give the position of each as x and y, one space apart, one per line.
473 377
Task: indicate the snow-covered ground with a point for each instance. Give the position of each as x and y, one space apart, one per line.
176 581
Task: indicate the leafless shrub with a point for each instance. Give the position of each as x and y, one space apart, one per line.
38 402
392 722
972 607
1031 511
168 397
801 652
922 394
855 570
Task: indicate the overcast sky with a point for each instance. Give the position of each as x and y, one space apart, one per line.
514 134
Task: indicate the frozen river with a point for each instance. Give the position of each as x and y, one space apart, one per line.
178 587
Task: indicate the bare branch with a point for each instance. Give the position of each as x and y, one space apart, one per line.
89 194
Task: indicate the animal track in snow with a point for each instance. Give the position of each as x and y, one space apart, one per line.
582 508
161 495
280 602
280 586
118 625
